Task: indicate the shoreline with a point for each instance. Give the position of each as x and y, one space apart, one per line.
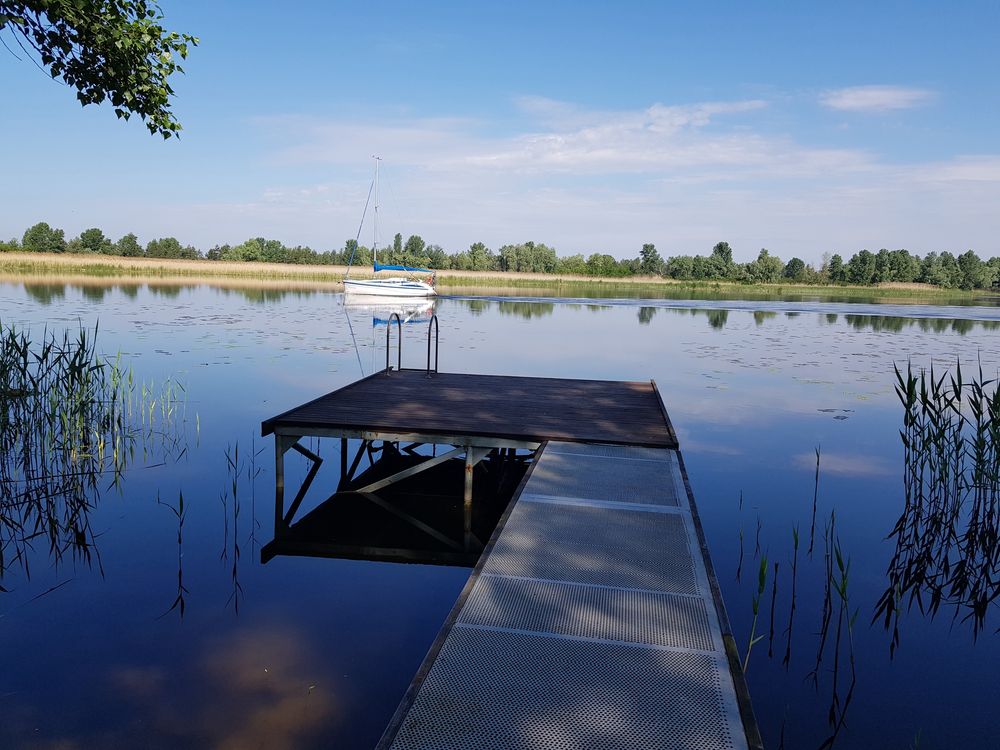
49 267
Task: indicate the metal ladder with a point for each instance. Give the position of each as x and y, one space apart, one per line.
432 327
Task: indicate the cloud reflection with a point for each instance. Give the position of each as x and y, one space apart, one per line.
844 465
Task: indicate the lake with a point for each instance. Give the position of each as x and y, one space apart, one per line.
168 631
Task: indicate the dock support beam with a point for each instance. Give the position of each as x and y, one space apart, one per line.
280 447
472 457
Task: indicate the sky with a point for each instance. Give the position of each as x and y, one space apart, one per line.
590 126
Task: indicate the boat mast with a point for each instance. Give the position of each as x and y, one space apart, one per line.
375 222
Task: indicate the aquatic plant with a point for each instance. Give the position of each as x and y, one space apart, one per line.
761 585
180 513
71 422
948 533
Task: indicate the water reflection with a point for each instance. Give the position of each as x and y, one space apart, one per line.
71 423
750 399
265 686
45 294
948 535
399 501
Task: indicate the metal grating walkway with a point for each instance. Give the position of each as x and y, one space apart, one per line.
591 622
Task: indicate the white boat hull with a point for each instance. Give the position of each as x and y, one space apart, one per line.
388 288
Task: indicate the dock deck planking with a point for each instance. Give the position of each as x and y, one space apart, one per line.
524 408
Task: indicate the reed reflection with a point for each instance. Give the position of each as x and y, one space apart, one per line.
947 537
71 422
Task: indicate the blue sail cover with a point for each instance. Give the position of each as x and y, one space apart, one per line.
380 267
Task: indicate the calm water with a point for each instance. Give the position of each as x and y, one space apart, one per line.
308 652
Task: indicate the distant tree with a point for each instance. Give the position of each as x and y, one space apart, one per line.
950 275
397 246
248 250
41 238
414 247
539 257
882 272
128 246
972 271
10 245
481 257
574 264
169 247
795 269
721 261
903 266
707 269
350 252
650 262
108 50
835 269
94 241
218 252
601 264
680 267
861 268
766 269
437 258
461 261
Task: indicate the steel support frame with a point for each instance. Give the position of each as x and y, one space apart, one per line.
475 449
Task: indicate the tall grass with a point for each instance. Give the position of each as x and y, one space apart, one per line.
70 424
948 534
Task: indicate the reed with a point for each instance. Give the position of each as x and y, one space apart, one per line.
180 512
71 422
761 586
947 536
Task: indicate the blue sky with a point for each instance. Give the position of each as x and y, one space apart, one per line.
592 127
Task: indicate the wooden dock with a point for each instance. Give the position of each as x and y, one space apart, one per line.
486 409
592 618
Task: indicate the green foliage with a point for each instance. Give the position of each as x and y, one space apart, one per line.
861 268
128 246
481 258
835 270
766 269
600 264
680 267
108 50
650 262
170 247
414 246
41 238
864 268
94 241
527 257
574 264
436 257
795 270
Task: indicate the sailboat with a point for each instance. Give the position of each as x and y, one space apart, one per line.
387 287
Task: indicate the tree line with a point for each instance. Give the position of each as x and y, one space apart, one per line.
944 269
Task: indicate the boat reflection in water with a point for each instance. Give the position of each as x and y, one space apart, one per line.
410 310
399 498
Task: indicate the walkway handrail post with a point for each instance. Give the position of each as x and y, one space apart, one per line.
433 325
399 342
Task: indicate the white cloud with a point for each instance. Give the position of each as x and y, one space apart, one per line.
584 181
875 98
